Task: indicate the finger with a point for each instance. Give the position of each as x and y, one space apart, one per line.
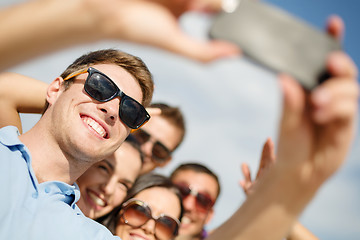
204 51
267 156
246 186
293 103
246 172
242 184
268 153
335 99
216 49
271 146
340 64
335 27
340 90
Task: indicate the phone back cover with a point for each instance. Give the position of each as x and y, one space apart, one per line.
277 40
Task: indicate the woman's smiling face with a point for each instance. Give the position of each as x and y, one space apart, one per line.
104 185
161 201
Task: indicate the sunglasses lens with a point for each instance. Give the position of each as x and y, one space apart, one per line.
136 215
166 228
132 113
184 190
99 87
141 136
204 202
160 152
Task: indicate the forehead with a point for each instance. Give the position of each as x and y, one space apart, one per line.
127 160
198 180
161 201
123 79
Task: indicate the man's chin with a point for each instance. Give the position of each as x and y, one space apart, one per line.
187 231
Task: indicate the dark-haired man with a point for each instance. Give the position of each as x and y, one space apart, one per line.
200 188
161 136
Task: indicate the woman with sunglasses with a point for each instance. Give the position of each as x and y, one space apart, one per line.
151 210
104 185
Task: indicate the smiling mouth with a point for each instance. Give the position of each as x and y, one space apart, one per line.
136 237
98 201
185 220
94 126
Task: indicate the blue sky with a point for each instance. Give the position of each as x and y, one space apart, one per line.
316 12
231 106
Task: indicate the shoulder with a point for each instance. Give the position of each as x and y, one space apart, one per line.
9 135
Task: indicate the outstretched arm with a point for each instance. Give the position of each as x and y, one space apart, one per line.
19 93
315 136
316 133
41 26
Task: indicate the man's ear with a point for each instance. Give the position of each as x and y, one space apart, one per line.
209 216
54 90
166 162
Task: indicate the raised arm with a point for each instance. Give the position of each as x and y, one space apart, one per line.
297 231
19 93
316 133
315 137
41 26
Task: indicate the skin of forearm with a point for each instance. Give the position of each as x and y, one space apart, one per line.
299 232
271 210
37 27
29 97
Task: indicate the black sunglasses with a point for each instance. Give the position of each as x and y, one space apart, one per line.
159 151
203 200
101 88
137 213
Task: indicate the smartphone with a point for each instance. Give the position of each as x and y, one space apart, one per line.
277 40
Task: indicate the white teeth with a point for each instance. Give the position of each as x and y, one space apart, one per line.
97 200
137 238
185 220
94 125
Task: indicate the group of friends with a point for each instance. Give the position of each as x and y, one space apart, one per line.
85 170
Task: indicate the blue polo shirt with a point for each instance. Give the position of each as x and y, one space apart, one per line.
29 210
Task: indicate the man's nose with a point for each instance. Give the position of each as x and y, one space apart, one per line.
189 202
110 110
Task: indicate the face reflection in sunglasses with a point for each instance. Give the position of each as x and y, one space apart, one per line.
136 213
203 200
101 88
159 152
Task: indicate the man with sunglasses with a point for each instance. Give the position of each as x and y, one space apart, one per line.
200 188
161 136
92 107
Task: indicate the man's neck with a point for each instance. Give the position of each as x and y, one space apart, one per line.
48 160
